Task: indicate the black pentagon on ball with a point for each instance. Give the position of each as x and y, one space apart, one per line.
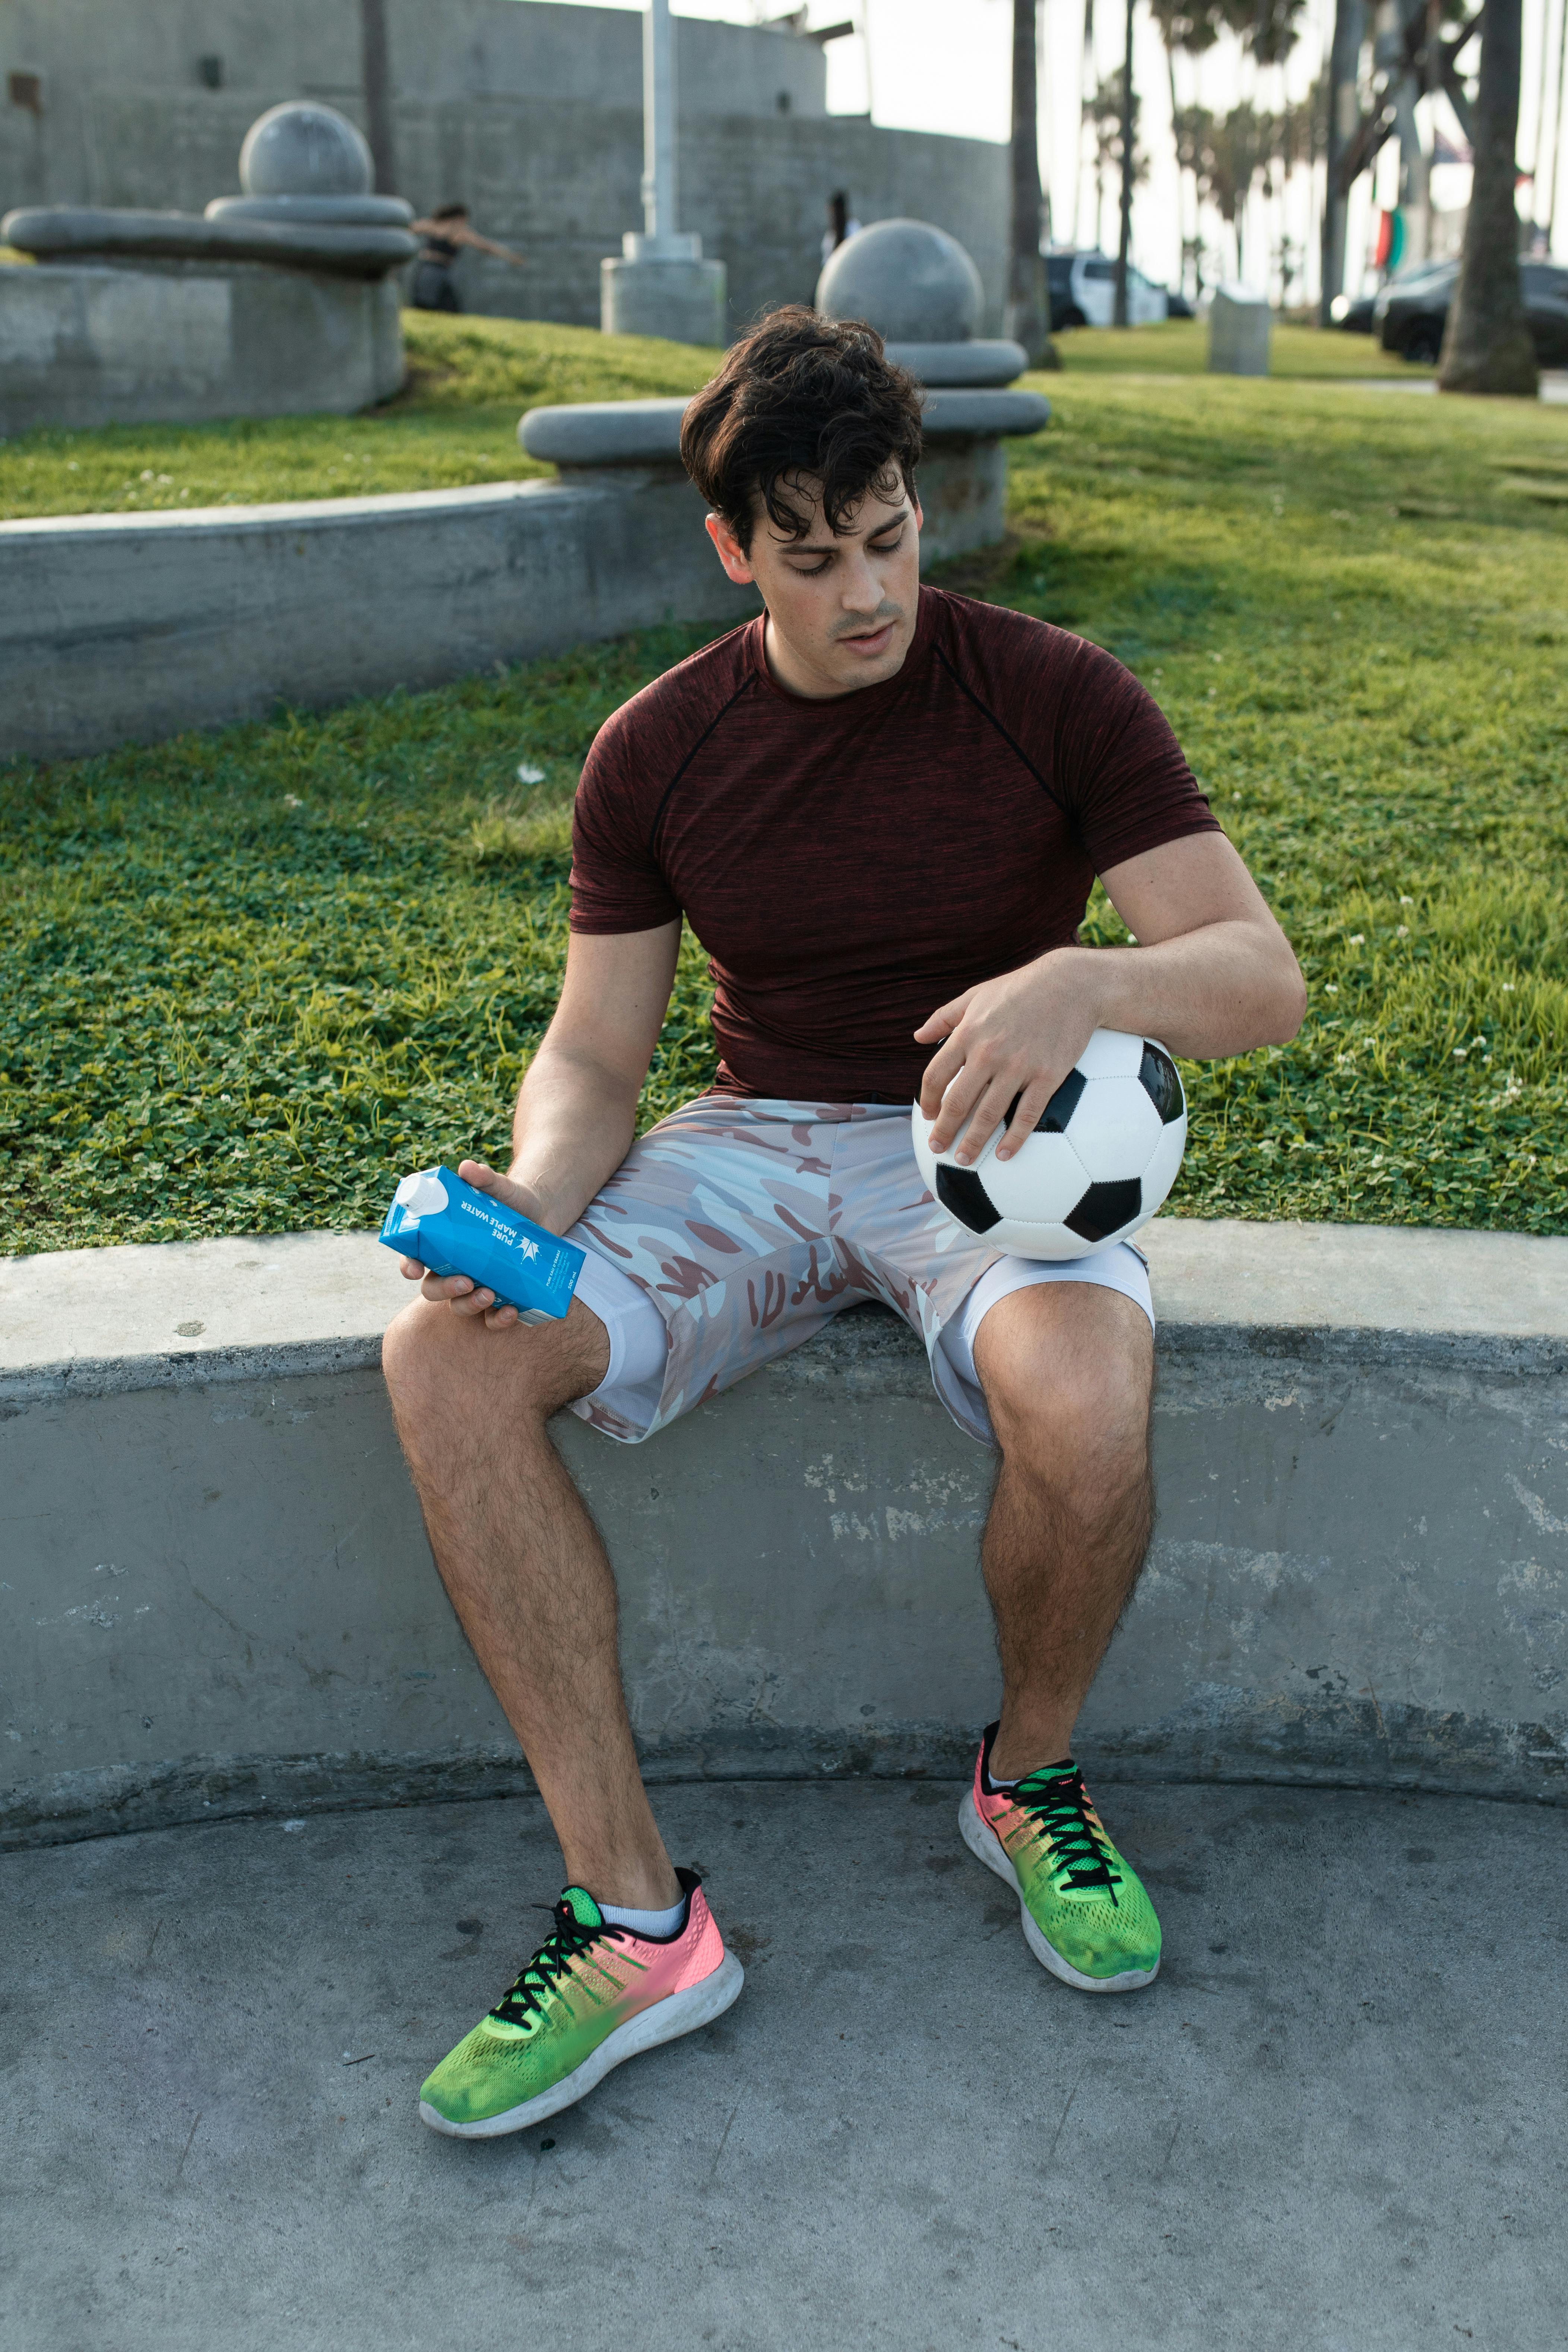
1053 1119
1157 1077
964 1196
1106 1208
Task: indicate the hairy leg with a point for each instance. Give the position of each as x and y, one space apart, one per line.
527 1572
1067 1373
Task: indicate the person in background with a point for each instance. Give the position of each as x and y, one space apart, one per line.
446 234
840 224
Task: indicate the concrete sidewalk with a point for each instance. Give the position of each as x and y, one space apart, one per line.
1334 2122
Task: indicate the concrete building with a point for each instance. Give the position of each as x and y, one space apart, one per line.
529 113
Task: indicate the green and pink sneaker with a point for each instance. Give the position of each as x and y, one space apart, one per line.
592 1995
1084 1914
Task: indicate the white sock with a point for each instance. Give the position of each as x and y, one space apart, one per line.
1064 1765
644 1923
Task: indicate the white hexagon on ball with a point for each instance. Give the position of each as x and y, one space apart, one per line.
1114 1127
1042 1184
1111 1053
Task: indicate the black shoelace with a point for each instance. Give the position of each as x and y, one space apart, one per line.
527 1997
1081 1851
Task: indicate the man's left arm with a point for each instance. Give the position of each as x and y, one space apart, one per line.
1212 974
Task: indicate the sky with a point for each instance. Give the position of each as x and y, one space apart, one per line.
945 64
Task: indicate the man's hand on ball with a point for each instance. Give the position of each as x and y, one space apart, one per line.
455 1289
1017 1036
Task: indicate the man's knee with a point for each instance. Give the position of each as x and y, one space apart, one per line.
445 1370
1071 1375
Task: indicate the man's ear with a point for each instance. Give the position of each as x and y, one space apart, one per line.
731 554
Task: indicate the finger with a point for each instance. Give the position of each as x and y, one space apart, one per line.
477 1302
1026 1109
962 1093
500 1318
442 1288
990 1110
477 1173
411 1270
940 1073
944 1020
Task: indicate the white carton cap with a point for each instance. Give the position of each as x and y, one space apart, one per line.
422 1194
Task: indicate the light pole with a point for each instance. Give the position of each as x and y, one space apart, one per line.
659 209
658 284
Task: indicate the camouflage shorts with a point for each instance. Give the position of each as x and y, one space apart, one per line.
748 1223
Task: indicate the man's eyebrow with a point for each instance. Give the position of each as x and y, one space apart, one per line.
814 547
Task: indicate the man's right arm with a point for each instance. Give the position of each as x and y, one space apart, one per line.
576 1111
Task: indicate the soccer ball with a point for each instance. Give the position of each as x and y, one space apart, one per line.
1101 1159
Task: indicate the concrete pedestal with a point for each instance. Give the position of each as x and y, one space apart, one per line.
684 301
1239 325
180 342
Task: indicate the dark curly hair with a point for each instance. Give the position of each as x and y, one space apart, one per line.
802 397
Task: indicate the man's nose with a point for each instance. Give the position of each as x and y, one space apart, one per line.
861 590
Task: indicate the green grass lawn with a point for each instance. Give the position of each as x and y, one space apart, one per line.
250 979
1179 347
455 423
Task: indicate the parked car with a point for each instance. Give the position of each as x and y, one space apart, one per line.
1412 311
1083 293
1354 317
1178 307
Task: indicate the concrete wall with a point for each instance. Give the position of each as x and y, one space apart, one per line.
82 347
218 1596
116 628
530 113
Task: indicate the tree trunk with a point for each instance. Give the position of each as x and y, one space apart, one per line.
1487 346
1124 246
1028 310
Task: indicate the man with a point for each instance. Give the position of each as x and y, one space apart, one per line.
881 808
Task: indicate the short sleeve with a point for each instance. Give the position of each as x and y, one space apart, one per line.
1122 774
617 883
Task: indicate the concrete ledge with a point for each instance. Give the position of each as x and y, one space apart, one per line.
219 1599
133 627
62 232
647 432
971 363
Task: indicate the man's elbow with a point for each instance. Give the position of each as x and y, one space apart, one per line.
1287 998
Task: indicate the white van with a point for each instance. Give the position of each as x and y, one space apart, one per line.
1083 293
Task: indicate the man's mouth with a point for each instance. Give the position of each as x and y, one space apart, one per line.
869 642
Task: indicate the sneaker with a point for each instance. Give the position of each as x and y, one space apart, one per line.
592 1995
1085 1915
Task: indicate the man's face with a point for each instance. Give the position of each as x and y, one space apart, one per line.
842 604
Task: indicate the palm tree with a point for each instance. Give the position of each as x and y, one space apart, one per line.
1029 300
1487 346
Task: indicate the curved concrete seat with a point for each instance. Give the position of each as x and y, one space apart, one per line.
218 1596
975 414
973 364
605 432
84 232
593 432
328 212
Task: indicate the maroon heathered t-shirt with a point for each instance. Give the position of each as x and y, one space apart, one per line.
851 865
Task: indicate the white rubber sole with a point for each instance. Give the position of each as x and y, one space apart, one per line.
666 2021
985 1846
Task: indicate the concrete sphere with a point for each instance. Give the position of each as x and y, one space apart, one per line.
913 283
300 149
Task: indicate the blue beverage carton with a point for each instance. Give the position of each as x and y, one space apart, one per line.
452 1229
